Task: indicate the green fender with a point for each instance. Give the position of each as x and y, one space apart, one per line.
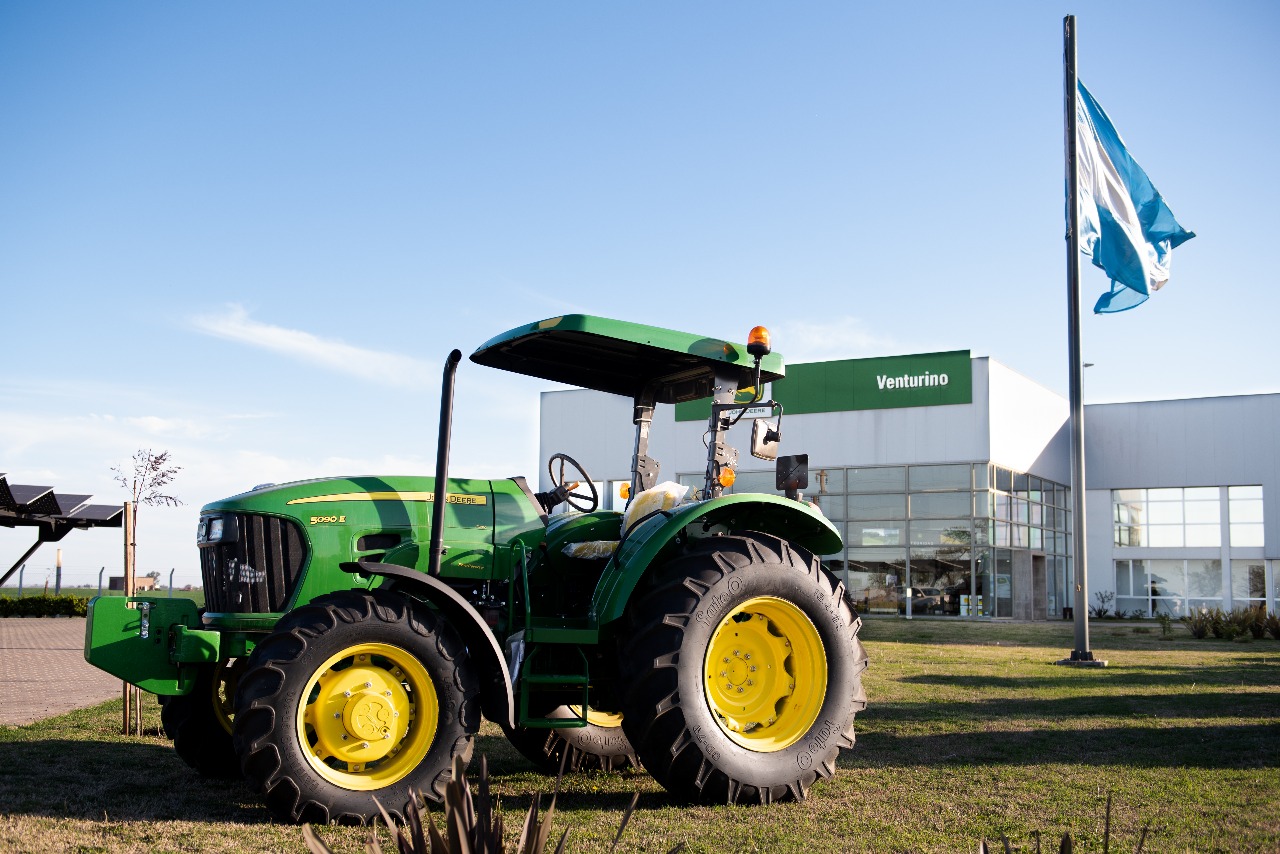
655 538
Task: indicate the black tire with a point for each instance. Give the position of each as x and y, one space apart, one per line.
594 746
674 707
309 741
200 722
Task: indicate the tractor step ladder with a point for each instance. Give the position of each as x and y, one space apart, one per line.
543 637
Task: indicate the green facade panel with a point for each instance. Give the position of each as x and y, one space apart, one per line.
889 382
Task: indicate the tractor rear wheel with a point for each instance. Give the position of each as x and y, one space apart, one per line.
200 722
600 744
744 673
360 694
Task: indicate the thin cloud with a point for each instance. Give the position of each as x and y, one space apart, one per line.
373 366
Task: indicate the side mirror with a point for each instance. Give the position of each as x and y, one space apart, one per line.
793 474
764 440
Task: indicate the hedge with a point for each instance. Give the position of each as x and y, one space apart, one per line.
44 606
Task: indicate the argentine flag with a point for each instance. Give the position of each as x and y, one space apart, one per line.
1125 226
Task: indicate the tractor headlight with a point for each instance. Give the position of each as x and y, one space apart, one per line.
215 529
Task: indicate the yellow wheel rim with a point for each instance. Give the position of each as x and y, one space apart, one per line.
595 717
368 716
766 674
225 679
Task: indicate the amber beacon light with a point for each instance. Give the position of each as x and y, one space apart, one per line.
758 342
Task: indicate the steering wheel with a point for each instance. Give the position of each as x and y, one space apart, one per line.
584 502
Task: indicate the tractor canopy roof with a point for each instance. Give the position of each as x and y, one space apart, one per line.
624 358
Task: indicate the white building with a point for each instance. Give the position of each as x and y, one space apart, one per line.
947 475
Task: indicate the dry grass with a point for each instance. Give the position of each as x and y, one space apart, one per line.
972 732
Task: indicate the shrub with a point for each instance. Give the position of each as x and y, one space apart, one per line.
1257 622
1166 624
1218 623
1273 625
44 606
1105 598
1199 623
471 822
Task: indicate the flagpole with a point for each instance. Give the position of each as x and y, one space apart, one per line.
1081 653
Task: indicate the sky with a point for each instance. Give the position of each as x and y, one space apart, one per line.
249 233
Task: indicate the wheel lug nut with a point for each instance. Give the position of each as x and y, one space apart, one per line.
724 674
364 744
725 659
337 714
752 668
728 686
346 693
386 693
746 657
739 690
344 736
368 684
751 682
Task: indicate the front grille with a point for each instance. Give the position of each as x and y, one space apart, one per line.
254 568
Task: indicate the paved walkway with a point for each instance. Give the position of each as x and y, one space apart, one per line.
43 671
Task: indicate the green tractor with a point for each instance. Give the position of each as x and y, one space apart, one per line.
356 629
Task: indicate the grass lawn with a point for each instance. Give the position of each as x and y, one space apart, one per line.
971 731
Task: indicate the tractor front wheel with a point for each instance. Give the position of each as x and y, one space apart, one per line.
355 696
744 673
200 722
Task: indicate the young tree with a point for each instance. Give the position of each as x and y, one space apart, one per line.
145 482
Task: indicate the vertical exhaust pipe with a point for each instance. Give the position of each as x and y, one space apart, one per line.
442 463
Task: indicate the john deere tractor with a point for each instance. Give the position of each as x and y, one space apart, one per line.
357 628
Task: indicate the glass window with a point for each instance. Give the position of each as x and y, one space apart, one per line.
940 505
1244 510
1166 518
1002 506
940 477
877 506
1248 582
1123 585
874 579
827 480
1247 536
1204 579
832 506
941 532
1164 513
1202 512
1004 480
1020 484
1167 578
982 504
981 476
758 481
878 533
879 479
1200 493
1020 513
1164 536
